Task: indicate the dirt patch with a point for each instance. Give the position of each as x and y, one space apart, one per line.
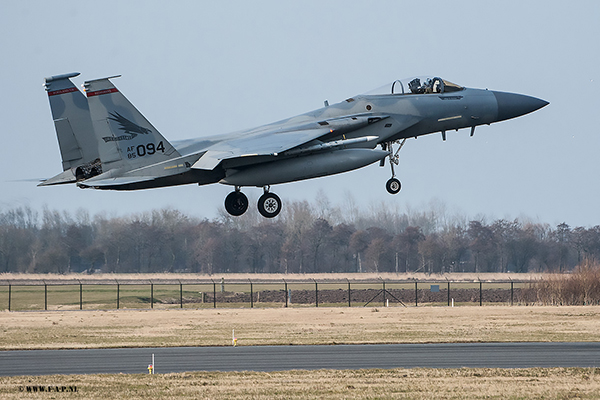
364 296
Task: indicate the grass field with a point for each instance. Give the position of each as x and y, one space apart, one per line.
532 383
309 325
90 329
167 325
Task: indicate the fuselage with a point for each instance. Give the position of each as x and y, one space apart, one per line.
395 117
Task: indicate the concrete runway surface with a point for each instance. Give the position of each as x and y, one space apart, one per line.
277 358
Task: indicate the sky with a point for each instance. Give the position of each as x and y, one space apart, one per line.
197 68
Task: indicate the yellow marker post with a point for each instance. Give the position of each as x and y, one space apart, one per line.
234 339
151 366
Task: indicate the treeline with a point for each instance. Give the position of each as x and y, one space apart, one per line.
305 238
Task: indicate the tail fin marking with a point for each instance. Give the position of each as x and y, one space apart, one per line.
126 139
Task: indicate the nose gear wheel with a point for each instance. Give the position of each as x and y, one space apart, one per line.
393 186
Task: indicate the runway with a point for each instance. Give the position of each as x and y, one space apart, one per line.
277 358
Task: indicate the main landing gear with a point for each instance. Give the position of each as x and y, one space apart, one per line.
269 204
393 185
236 202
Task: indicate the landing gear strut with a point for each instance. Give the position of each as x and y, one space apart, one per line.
393 185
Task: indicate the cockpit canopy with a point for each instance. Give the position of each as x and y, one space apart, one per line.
417 85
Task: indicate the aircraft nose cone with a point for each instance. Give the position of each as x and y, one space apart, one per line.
512 105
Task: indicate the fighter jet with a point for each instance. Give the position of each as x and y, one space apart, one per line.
106 143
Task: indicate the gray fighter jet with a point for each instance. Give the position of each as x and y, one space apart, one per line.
106 143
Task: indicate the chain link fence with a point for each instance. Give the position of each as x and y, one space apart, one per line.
88 294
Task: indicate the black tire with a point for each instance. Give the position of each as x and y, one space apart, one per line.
236 203
393 186
269 205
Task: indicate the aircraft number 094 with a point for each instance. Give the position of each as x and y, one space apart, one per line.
143 150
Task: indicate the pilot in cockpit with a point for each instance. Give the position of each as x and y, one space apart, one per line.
430 86
415 86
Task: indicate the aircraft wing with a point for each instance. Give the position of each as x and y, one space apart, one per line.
272 141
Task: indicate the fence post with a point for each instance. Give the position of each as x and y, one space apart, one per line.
214 295
349 298
118 293
480 294
45 297
448 293
316 294
511 292
286 292
416 295
251 294
180 295
151 294
383 291
80 295
9 294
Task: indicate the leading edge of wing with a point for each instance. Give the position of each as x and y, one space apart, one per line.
272 142
263 145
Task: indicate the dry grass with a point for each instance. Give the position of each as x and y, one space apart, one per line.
282 326
92 329
533 383
582 287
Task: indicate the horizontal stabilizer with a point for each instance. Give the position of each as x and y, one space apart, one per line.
60 179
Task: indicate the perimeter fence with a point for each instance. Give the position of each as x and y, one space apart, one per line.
31 295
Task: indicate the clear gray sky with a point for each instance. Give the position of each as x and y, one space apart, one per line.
202 68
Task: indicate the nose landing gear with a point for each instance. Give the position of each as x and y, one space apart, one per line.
393 185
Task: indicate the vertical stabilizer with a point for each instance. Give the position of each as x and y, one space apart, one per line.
71 114
126 139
